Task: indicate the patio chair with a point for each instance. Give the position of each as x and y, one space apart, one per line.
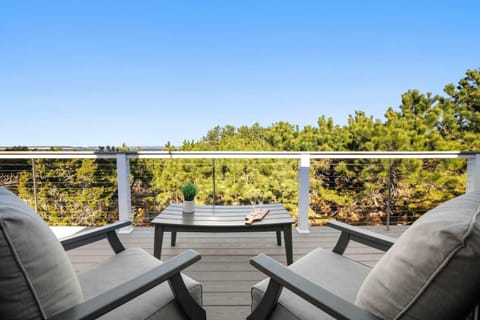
432 271
37 280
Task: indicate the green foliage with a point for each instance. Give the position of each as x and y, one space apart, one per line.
189 191
71 191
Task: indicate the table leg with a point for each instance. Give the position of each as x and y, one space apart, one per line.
174 238
158 240
279 238
287 234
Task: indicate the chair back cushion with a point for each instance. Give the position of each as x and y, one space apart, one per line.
433 270
37 279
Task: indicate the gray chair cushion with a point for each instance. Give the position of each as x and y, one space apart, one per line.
329 270
37 278
433 269
156 303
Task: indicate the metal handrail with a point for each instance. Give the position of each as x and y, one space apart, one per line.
239 154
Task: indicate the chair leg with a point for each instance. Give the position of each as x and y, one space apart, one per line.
188 305
268 303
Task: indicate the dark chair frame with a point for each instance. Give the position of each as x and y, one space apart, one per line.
281 276
105 302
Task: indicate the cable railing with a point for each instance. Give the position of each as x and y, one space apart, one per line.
375 188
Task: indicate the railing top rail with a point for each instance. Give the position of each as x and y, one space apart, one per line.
298 154
55 154
238 154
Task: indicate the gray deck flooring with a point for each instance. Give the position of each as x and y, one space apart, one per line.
224 269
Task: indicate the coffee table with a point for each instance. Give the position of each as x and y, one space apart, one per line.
222 219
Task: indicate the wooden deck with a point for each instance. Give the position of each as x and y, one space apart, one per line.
224 270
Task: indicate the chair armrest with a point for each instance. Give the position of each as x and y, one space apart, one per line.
96 234
372 239
281 276
169 270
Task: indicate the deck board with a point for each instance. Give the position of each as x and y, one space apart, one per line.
224 269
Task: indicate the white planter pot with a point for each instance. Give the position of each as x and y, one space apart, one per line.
189 206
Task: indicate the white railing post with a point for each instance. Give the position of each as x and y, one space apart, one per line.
303 193
473 174
124 197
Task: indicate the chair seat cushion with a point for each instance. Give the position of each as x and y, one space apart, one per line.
433 269
157 303
37 276
329 270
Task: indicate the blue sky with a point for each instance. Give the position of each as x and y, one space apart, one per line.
90 73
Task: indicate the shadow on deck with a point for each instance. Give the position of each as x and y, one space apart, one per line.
224 270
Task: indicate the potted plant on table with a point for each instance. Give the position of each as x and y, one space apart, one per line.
189 191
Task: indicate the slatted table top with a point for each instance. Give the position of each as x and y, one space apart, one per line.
222 216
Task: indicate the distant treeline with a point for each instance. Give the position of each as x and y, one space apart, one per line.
83 191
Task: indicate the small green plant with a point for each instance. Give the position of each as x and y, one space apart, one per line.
189 191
